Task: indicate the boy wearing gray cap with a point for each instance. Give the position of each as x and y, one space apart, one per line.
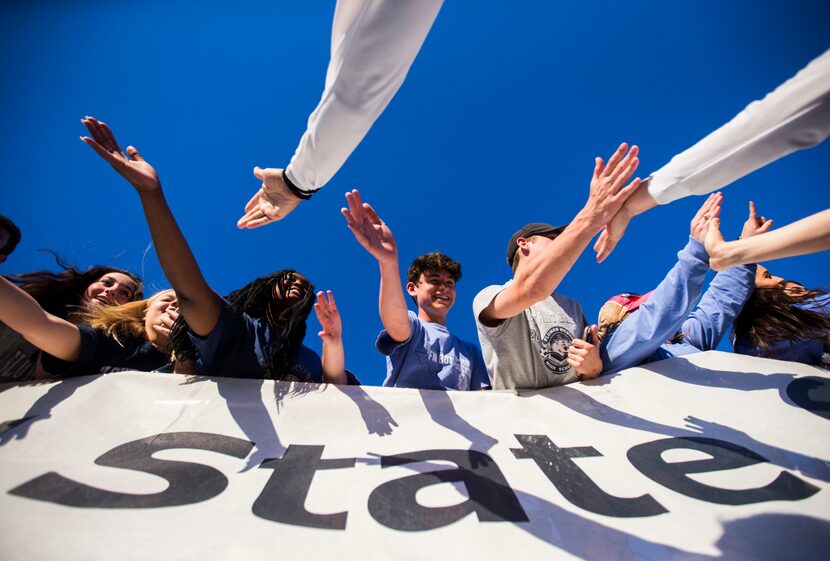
529 333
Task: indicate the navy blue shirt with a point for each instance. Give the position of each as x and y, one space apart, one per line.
101 353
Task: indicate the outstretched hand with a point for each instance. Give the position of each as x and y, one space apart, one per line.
131 165
329 318
707 212
370 231
608 193
274 200
754 225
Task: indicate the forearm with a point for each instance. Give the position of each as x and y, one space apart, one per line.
392 302
198 303
373 47
719 306
49 333
794 116
334 363
808 235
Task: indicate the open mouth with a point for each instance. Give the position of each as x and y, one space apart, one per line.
442 298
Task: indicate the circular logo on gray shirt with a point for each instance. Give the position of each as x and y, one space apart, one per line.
554 347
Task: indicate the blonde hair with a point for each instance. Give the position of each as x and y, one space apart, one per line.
126 320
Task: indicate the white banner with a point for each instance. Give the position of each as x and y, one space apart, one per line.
717 456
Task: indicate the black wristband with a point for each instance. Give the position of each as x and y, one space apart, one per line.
299 193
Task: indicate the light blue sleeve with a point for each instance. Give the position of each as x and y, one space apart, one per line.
642 333
720 305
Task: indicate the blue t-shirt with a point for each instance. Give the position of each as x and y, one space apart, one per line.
101 353
807 351
432 359
242 347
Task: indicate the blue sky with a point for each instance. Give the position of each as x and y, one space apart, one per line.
496 125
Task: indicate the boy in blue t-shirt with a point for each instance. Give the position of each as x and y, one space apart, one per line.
421 352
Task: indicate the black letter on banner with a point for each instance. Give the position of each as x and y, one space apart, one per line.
393 503
283 498
558 465
189 482
812 393
647 458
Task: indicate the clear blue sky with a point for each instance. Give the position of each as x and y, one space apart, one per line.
497 125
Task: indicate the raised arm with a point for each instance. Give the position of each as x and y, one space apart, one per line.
49 333
373 45
197 302
808 235
376 237
726 295
334 357
535 279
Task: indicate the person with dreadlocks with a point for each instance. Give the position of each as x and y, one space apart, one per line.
67 295
785 321
420 351
664 323
257 332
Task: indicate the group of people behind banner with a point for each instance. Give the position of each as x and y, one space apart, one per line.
531 336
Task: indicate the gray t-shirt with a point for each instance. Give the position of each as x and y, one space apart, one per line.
530 350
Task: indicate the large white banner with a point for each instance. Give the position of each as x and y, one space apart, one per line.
717 456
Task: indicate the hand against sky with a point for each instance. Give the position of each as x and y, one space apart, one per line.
131 165
369 230
584 356
707 212
754 225
329 318
608 193
274 200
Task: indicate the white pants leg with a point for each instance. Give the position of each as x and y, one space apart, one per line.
373 44
795 115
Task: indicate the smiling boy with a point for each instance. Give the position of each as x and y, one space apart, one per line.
420 350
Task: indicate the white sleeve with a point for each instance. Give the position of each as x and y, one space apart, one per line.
373 44
795 115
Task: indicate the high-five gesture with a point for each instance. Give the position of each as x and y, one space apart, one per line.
608 185
131 166
370 231
707 212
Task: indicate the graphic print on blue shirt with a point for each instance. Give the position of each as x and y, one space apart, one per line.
432 358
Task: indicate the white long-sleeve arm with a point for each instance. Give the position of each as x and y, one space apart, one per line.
794 116
373 45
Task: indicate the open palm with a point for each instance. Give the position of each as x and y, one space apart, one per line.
131 166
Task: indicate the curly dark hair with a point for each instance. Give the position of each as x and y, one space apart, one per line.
61 293
772 314
257 299
435 261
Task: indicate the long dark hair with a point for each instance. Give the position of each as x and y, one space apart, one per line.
61 294
772 314
257 300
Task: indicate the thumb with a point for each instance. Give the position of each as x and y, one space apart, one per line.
598 166
133 153
258 172
594 334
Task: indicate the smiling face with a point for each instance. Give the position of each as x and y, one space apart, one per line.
159 307
111 289
434 293
288 291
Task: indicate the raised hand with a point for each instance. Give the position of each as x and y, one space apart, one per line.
329 318
708 211
754 225
370 231
584 356
131 166
608 193
274 200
